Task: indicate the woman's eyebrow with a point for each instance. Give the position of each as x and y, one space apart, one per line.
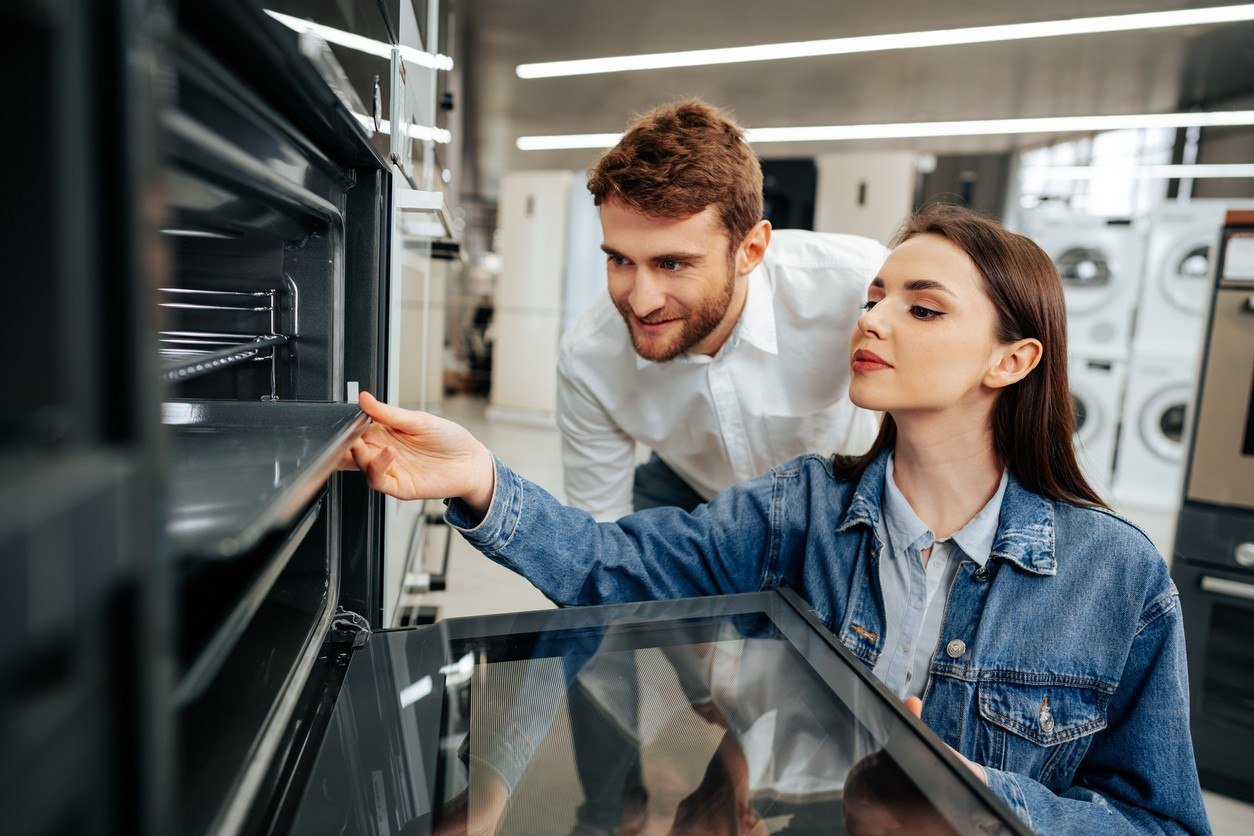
928 284
916 285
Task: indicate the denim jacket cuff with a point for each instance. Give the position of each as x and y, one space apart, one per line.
1005 785
493 532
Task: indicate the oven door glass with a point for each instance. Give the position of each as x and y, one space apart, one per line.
736 714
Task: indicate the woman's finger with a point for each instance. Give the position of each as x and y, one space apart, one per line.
405 420
378 473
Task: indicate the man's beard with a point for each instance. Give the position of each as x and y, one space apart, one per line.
695 327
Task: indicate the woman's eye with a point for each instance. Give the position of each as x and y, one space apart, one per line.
921 312
867 305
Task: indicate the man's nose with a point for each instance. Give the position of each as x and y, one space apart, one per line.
646 294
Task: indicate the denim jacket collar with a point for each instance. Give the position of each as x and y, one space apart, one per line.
1025 531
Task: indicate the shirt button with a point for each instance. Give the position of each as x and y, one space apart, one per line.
905 647
917 603
981 573
956 648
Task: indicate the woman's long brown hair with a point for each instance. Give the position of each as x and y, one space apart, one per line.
1034 419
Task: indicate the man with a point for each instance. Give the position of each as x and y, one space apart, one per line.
731 361
732 358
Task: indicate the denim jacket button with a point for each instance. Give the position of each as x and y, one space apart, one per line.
956 648
981 573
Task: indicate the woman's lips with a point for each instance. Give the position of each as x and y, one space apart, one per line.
867 361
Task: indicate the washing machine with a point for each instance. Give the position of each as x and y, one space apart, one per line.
1149 470
1099 260
1171 313
1096 391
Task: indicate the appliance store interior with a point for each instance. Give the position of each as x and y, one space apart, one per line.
693 417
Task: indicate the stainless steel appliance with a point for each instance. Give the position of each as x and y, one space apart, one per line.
1214 553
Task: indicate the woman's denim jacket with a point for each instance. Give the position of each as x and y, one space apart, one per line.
1060 668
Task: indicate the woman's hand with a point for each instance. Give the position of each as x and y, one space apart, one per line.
915 706
415 455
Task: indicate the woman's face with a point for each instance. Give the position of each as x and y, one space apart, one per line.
926 339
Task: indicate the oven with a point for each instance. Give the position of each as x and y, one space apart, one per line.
1214 551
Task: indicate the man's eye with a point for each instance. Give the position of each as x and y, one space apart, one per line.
672 266
921 312
617 260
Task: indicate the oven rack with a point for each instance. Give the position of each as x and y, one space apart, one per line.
190 354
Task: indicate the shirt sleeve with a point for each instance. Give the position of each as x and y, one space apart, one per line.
598 458
1139 775
721 548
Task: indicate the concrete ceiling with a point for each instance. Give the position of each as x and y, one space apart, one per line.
1131 72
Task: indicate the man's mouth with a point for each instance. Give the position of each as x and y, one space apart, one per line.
655 325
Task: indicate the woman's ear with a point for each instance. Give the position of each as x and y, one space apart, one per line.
1011 363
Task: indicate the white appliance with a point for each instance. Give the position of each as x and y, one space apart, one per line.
1149 470
1099 260
1178 260
1096 391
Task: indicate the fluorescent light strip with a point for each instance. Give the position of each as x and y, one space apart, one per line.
1148 172
418 132
917 130
879 43
361 43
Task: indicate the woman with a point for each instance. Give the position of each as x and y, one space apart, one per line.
963 558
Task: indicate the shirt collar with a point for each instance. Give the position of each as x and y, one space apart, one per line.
756 325
906 529
1024 526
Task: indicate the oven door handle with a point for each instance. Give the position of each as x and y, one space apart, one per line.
1220 586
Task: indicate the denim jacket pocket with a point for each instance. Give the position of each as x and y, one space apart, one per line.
1041 728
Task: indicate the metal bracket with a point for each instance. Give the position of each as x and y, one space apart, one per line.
349 628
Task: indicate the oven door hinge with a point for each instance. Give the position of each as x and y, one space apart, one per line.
349 631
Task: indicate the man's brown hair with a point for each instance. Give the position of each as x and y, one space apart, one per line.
678 159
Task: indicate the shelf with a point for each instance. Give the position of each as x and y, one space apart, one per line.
433 220
242 469
195 363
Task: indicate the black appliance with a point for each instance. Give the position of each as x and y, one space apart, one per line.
788 193
1214 551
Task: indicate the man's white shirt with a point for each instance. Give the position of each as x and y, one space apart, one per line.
778 387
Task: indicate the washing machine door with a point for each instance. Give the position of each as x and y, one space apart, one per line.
1088 414
1087 276
1184 276
1162 422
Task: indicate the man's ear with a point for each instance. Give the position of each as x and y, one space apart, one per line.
1011 363
752 248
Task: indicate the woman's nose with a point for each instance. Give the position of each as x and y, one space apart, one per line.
871 323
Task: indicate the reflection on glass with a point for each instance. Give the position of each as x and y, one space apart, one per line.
669 717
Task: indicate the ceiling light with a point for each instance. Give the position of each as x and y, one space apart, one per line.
349 40
879 43
917 130
1147 172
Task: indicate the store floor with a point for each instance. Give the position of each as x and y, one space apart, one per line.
477 586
